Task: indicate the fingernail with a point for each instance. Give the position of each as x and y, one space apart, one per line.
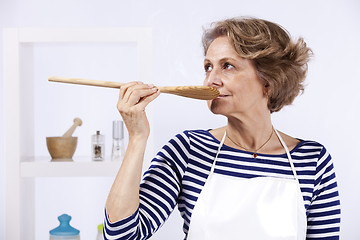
150 85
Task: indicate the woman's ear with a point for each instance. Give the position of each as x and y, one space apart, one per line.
266 89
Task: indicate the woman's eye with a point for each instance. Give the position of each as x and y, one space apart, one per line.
207 68
228 66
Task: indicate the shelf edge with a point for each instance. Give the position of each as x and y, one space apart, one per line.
69 169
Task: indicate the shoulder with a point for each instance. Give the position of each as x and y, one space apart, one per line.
200 134
297 144
313 153
198 138
188 136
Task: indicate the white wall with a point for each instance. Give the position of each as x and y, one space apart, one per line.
328 111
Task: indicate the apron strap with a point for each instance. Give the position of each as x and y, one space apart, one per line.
288 155
217 153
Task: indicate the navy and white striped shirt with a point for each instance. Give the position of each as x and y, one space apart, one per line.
178 173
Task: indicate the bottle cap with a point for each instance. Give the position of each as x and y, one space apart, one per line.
64 229
100 227
118 129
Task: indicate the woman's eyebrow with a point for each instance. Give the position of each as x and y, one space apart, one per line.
224 59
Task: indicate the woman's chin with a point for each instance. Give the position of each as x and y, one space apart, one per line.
215 107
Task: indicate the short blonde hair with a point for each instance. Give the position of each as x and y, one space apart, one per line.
280 62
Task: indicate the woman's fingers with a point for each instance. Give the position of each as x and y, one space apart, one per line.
139 92
124 94
132 92
136 94
146 100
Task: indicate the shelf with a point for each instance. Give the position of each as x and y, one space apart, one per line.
83 167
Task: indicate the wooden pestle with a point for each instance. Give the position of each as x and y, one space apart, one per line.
77 122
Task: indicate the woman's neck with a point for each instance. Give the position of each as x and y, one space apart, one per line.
249 132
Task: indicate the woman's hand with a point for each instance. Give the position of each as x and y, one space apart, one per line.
133 99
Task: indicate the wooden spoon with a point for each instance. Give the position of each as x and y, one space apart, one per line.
197 92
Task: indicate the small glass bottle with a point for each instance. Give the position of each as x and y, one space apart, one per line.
100 235
98 147
117 153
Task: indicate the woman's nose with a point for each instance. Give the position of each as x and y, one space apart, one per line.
213 79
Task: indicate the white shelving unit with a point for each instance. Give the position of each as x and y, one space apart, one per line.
22 167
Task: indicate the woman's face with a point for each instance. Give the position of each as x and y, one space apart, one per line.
235 77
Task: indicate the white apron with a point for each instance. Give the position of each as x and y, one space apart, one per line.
260 208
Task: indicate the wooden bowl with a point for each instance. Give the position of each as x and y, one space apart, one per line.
61 148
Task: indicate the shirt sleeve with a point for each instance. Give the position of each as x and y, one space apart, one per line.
324 211
159 193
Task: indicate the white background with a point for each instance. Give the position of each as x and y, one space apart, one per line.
328 111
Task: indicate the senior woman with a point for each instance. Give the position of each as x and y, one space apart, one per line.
245 180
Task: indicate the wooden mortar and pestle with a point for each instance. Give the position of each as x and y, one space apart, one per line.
63 148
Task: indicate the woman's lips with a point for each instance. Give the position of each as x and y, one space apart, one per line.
222 96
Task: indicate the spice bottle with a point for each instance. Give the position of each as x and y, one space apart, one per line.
98 147
118 141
